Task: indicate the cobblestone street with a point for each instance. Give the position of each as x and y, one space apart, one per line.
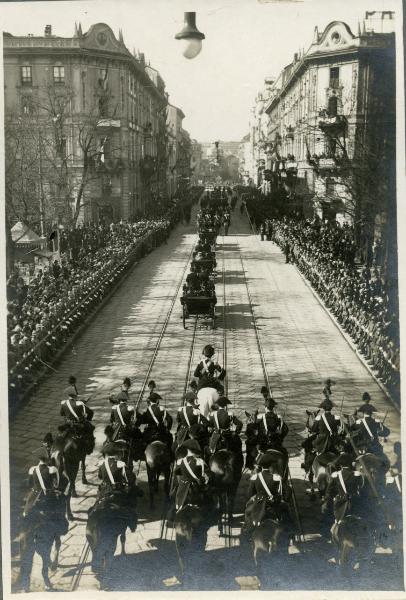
302 346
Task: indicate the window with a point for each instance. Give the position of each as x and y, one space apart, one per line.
62 147
26 105
26 75
334 77
59 74
332 106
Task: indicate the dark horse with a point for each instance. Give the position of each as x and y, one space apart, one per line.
355 541
226 468
41 529
108 520
66 455
158 459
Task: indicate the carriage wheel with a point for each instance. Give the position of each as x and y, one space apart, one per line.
184 316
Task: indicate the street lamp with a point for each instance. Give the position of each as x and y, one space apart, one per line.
191 37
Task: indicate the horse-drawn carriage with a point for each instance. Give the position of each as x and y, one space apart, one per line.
198 306
204 261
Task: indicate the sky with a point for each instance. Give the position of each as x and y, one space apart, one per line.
246 41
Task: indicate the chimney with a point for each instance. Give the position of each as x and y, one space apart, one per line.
48 30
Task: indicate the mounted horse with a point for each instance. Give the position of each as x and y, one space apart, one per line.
355 541
210 376
69 451
44 522
108 520
158 443
267 517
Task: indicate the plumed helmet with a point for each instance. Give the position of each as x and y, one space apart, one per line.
208 351
326 404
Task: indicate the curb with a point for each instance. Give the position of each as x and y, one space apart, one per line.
350 342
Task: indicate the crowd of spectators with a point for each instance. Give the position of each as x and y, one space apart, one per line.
45 312
356 294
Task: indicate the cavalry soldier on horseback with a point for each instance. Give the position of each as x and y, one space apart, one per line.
265 495
367 430
121 415
113 471
78 416
221 421
208 371
343 488
189 415
157 420
272 429
43 480
326 427
192 476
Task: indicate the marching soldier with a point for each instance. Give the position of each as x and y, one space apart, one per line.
43 480
326 426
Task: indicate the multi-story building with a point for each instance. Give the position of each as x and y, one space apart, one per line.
245 155
97 113
196 162
259 135
180 150
331 128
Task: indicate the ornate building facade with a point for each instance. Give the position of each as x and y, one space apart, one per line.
102 113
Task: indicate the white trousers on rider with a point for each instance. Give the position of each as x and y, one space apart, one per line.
207 397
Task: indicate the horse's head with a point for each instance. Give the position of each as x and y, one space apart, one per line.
311 416
251 418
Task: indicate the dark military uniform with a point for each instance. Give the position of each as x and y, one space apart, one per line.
78 417
344 488
43 481
121 417
190 417
114 474
193 475
221 422
209 373
265 498
158 424
272 430
367 431
326 427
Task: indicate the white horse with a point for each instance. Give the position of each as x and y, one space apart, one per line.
207 397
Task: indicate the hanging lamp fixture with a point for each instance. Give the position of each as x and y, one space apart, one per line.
190 36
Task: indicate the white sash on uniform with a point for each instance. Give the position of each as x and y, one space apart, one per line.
215 417
68 404
367 428
323 416
185 462
109 473
340 477
265 423
120 416
41 481
185 415
266 488
153 415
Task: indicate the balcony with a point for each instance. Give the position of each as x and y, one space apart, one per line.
332 126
